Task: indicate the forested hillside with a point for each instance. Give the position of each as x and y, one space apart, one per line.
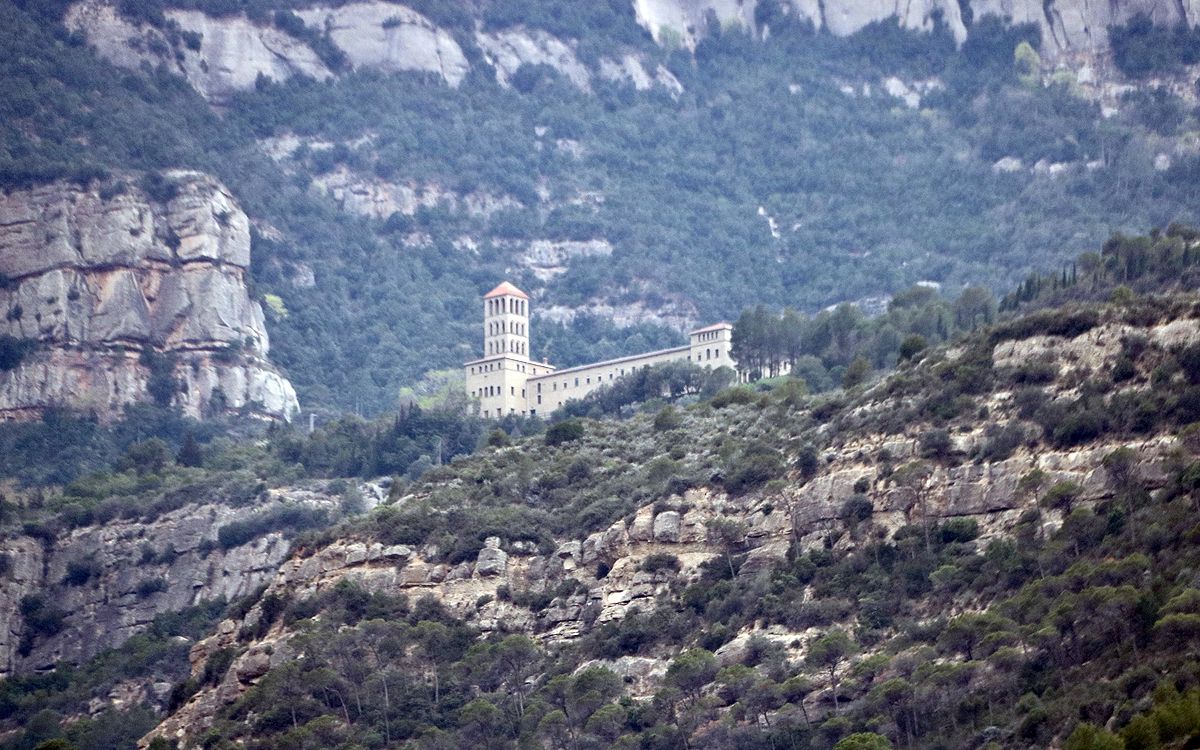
779 172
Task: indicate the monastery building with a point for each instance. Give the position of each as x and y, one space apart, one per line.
506 380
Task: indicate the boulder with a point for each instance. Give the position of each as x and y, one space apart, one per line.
492 561
666 526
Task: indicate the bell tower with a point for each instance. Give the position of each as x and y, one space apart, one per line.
506 322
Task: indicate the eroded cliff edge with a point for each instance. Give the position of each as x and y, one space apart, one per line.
130 296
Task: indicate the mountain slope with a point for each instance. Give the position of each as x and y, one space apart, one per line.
988 546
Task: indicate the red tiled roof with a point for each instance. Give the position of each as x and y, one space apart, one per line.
505 289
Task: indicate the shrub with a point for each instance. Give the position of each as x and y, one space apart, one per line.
911 347
935 443
756 465
237 533
1065 323
1038 370
660 561
81 571
736 395
1000 440
858 508
150 586
1189 362
856 373
1123 369
667 419
566 431
808 462
41 617
1079 427
958 530
13 351
864 741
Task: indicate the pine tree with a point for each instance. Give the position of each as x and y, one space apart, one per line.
189 453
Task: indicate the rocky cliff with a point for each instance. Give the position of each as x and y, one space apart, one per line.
131 296
1066 25
234 51
109 581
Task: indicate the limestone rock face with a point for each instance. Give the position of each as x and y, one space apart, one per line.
631 69
390 38
97 276
689 18
608 564
176 552
549 258
1072 25
509 49
1066 25
234 51
368 195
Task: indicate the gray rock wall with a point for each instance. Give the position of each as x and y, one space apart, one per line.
98 275
1066 25
131 560
391 37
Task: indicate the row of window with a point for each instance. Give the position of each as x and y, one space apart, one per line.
499 326
492 366
514 347
502 305
708 336
495 390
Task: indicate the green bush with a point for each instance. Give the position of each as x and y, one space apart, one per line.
566 431
1080 427
13 352
958 530
659 562
755 465
40 616
81 571
735 395
289 518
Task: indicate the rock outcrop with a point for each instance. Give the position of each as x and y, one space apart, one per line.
389 37
234 51
509 49
229 53
118 288
1066 25
110 581
367 195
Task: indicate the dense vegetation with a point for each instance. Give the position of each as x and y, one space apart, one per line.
867 195
1140 48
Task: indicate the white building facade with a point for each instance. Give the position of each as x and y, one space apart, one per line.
507 381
